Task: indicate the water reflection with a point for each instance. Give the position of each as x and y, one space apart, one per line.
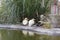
0 3
18 35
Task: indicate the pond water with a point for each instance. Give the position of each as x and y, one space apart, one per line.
18 35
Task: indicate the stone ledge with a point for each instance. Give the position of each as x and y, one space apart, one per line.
38 30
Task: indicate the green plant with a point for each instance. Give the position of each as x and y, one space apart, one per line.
14 11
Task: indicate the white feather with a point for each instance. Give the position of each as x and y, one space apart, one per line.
41 22
31 22
25 22
41 16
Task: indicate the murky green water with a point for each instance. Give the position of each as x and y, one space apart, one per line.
18 35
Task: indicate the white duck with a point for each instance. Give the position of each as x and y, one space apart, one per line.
31 22
41 23
42 17
25 21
